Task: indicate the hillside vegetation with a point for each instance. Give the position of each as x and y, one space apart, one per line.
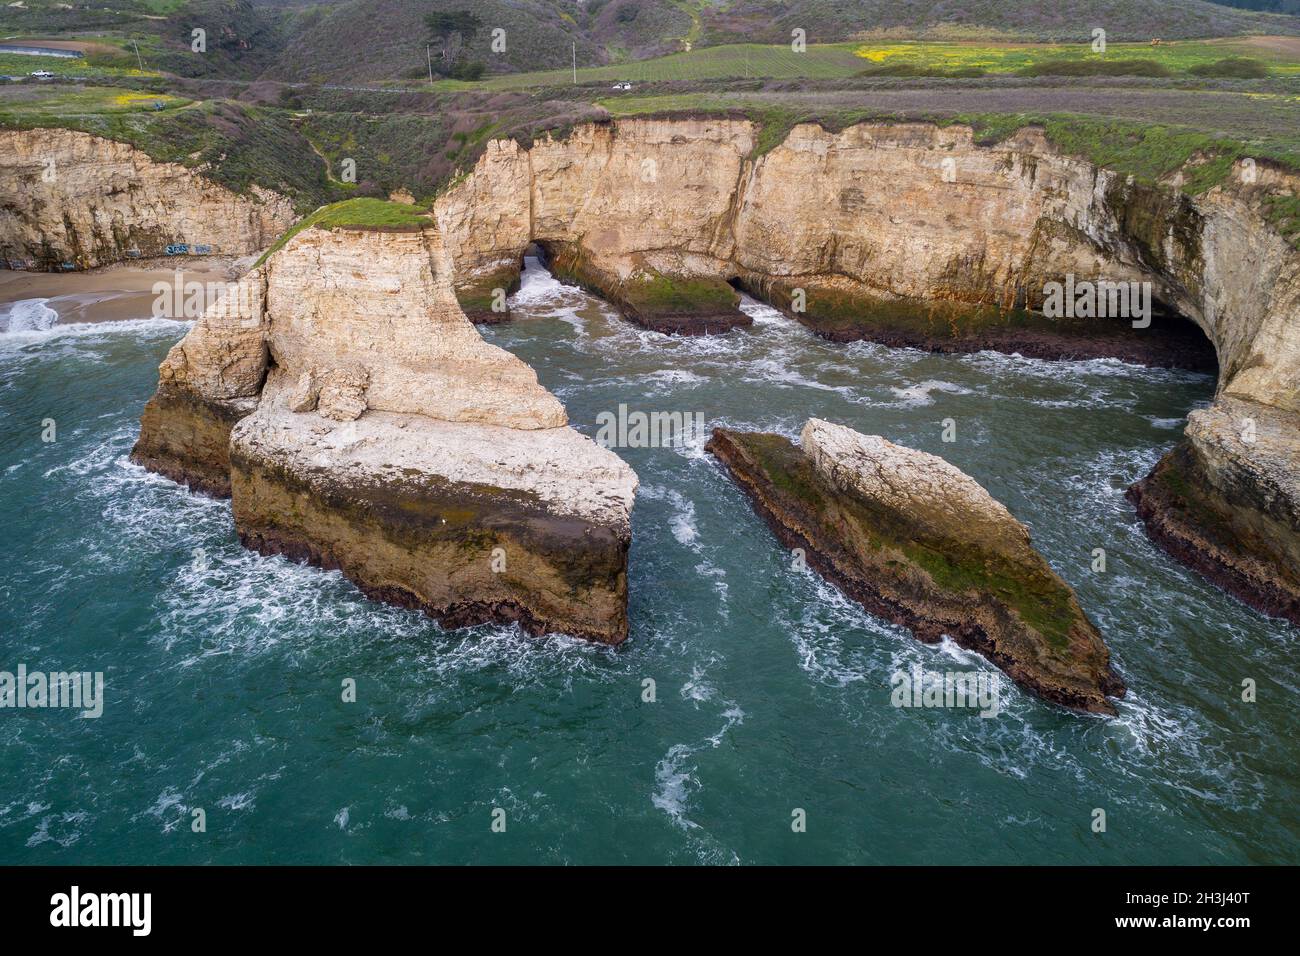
352 41
331 101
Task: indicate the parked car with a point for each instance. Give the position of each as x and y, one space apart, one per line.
41 74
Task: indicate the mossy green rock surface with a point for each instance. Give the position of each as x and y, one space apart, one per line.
932 555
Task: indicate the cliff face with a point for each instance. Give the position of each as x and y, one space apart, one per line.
641 213
67 196
915 235
359 422
883 218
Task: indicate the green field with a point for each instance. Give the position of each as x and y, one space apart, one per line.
820 61
361 213
106 58
75 106
831 61
1005 58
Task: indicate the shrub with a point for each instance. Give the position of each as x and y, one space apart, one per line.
1096 67
1238 67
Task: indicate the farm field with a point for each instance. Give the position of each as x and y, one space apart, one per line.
820 61
37 105
1280 56
19 64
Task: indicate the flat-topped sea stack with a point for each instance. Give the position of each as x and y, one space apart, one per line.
920 543
359 422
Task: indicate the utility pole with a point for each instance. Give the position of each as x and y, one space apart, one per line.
575 62
428 55
138 61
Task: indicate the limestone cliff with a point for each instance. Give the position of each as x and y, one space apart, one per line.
70 197
922 544
912 234
359 422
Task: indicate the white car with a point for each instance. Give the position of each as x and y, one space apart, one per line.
41 74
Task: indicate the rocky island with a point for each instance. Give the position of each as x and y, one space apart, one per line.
920 543
921 235
359 422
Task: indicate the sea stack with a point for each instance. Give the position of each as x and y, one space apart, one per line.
922 544
369 428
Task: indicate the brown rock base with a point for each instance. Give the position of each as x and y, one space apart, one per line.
1214 538
464 554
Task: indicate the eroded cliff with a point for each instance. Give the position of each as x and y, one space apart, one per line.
913 234
68 197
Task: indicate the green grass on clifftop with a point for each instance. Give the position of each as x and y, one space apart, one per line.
362 213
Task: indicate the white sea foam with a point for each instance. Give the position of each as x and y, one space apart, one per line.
27 315
763 314
682 520
244 800
676 776
920 394
83 333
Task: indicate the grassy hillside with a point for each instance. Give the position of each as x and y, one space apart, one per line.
242 40
366 104
365 40
358 41
911 59
368 40
740 60
770 21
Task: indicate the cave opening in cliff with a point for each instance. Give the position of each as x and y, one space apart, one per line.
536 250
1175 340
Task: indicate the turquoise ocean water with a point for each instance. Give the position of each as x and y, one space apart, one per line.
223 669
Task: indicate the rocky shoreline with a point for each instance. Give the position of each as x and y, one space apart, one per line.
663 217
111 202
907 234
682 305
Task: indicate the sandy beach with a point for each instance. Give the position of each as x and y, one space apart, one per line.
110 294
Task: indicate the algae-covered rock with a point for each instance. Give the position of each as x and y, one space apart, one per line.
470 523
1226 502
675 304
922 544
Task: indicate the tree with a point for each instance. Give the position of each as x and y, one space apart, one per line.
452 31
